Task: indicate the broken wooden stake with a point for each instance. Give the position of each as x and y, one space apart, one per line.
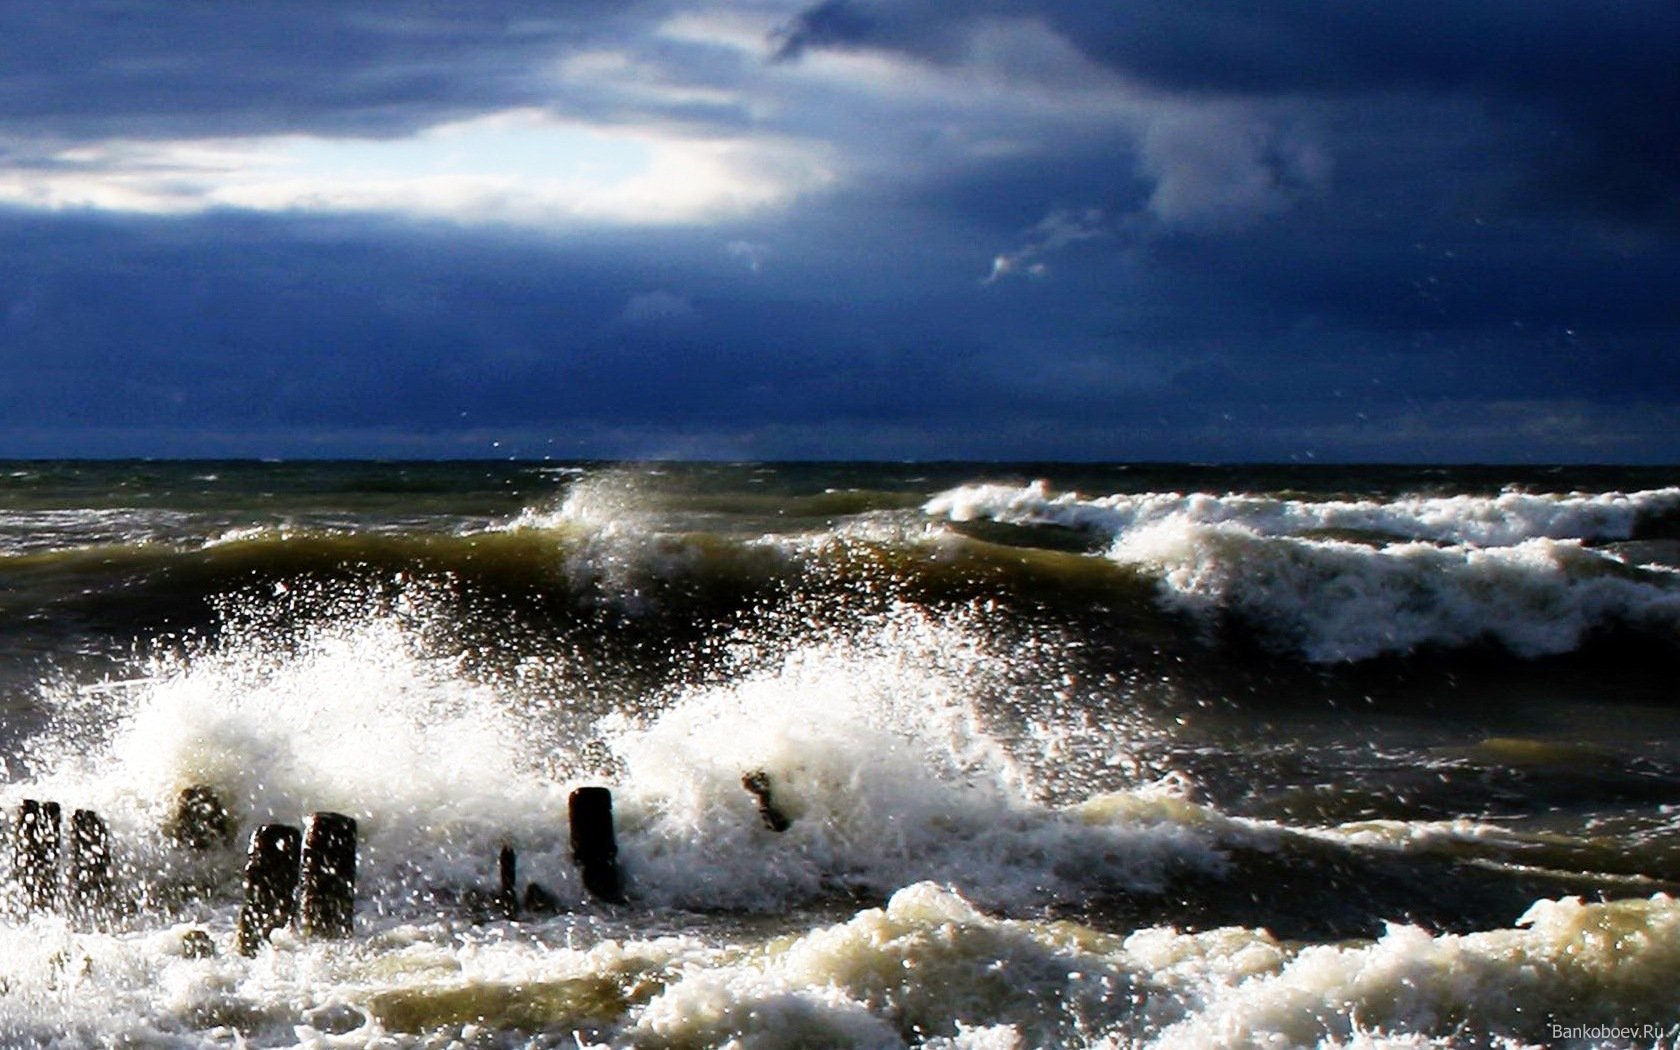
327 904
757 784
89 887
507 895
201 820
196 944
594 847
35 849
539 901
271 876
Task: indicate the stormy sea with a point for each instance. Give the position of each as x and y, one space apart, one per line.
967 755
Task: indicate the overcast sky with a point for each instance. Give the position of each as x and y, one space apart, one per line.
1122 229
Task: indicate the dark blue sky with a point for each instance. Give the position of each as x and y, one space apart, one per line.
1134 229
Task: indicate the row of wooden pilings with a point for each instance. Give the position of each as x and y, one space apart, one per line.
306 876
293 876
289 874
38 842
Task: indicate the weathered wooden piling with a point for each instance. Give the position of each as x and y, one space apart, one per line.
89 887
507 893
538 900
196 944
52 826
509 902
201 820
327 901
271 876
594 846
757 784
35 850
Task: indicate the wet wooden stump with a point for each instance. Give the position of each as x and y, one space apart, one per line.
271 877
536 900
539 901
90 889
196 944
35 851
201 820
757 784
327 904
507 892
594 845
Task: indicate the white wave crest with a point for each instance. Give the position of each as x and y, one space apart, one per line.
1514 569
1502 520
1333 601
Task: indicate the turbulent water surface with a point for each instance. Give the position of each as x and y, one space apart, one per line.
1067 756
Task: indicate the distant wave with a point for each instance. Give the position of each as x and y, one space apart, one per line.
1350 580
1502 520
1322 581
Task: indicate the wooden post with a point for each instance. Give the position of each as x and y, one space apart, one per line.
271 875
507 870
35 849
52 839
327 904
539 901
196 944
89 885
594 847
757 784
201 820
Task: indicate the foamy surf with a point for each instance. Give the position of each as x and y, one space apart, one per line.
1503 519
1197 778
925 969
1338 580
872 739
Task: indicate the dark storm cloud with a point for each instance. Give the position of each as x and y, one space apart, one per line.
153 68
1554 48
1142 230
268 335
1435 261
224 323
1605 74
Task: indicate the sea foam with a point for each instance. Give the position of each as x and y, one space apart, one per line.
1500 520
871 732
1334 601
1513 569
928 965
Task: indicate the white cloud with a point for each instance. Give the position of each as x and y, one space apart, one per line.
750 254
1018 92
635 81
1052 233
658 308
1222 166
521 167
